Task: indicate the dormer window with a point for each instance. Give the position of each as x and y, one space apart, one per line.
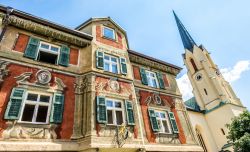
109 33
48 53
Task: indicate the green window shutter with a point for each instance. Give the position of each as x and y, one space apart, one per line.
56 113
153 120
15 104
64 56
99 60
160 80
144 78
101 110
130 113
123 66
32 48
173 122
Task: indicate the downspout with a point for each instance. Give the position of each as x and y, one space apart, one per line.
6 22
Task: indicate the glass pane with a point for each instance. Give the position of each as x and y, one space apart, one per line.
45 46
28 112
166 129
113 59
114 68
110 117
106 57
157 114
118 105
154 83
109 104
32 97
42 114
163 115
119 119
44 98
106 66
55 49
152 75
109 33
160 126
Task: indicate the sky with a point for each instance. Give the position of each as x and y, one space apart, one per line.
223 27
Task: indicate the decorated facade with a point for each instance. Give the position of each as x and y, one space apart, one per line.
85 90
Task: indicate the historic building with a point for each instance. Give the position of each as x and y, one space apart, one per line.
83 89
214 103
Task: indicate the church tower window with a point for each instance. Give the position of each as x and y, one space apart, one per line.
205 90
194 65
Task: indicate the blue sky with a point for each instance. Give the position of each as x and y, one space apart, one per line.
223 27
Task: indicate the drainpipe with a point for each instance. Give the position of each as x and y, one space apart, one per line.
6 21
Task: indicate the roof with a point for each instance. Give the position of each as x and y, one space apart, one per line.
46 22
93 19
154 59
187 40
191 104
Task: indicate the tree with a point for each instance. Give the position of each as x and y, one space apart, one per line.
239 132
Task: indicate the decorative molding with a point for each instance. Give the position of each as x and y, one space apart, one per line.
46 31
3 70
43 76
80 84
152 64
59 84
29 131
112 87
24 78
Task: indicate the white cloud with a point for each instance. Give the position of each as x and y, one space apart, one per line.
230 75
185 87
233 74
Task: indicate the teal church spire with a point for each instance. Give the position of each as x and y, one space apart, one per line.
187 40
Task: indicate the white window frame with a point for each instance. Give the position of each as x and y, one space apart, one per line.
110 62
161 126
103 33
37 104
49 50
114 109
150 78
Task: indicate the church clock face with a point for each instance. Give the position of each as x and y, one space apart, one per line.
198 77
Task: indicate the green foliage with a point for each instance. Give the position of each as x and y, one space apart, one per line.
239 132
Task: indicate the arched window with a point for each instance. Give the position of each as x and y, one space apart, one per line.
194 65
201 140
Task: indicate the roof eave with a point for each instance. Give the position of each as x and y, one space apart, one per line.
42 21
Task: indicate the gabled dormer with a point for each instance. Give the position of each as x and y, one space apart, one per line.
105 31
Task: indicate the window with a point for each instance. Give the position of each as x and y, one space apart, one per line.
48 53
36 108
114 112
205 90
152 79
223 132
110 63
111 111
194 65
109 33
163 122
160 121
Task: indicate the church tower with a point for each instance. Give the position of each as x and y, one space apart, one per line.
213 95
